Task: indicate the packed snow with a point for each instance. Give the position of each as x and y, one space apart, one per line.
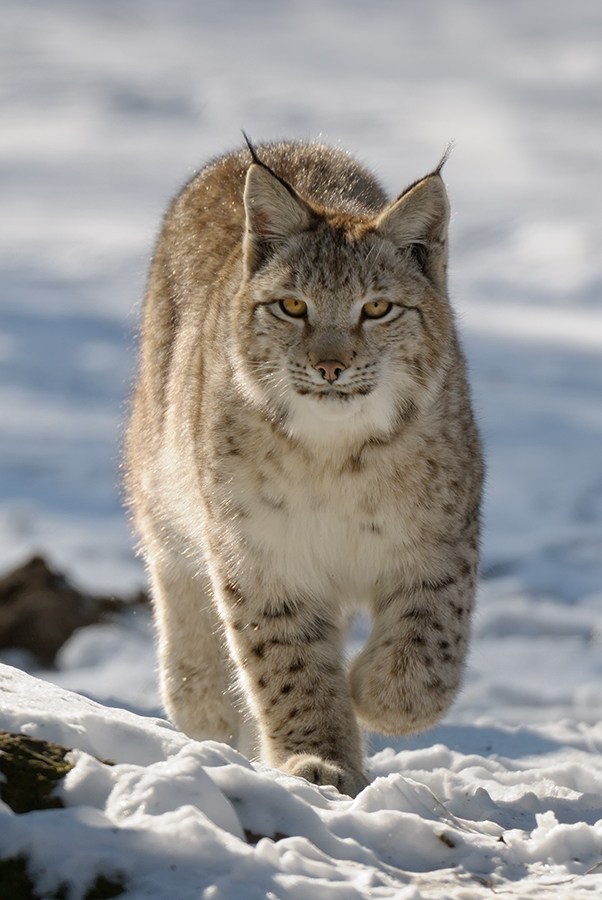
106 109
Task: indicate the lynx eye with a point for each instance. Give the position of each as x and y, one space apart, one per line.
376 309
293 307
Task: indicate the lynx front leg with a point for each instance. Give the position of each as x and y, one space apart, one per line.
290 660
408 673
195 669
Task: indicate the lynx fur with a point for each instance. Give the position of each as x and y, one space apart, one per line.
302 446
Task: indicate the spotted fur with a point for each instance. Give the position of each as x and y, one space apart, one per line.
272 502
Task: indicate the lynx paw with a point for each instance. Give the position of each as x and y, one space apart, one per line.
388 703
321 771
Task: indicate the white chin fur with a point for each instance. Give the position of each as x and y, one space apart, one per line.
333 408
331 419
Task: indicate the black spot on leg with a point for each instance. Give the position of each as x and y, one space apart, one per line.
272 502
286 688
233 448
235 593
313 631
371 528
297 666
308 689
285 609
237 512
281 642
316 630
293 713
262 682
465 568
417 613
258 650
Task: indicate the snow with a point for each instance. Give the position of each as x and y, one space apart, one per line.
177 818
106 108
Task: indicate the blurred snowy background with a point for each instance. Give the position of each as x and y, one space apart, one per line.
107 106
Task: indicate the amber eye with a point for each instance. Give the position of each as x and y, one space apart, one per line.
376 309
293 307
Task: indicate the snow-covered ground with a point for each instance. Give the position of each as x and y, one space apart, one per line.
106 107
177 819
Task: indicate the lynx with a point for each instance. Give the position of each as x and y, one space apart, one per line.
301 446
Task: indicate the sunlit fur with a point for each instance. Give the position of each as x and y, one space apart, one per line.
272 502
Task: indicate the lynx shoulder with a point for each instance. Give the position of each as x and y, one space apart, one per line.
301 446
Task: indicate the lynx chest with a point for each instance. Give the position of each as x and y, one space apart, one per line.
315 523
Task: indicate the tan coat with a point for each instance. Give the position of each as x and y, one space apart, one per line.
301 446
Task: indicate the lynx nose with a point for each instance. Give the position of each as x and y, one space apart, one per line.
330 369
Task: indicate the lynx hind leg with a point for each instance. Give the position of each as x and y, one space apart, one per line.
409 672
195 670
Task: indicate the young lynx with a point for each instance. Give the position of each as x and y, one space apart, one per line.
301 445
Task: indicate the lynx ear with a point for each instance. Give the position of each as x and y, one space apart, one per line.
274 212
418 220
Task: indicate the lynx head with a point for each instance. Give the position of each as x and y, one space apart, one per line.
342 326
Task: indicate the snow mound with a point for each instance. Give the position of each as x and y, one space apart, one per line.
177 818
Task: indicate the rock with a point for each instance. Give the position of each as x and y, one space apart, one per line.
40 610
30 770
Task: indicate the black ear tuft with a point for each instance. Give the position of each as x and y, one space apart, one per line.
259 162
446 155
252 149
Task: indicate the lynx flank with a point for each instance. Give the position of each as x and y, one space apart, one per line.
302 446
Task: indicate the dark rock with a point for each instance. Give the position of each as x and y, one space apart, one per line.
40 610
31 770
